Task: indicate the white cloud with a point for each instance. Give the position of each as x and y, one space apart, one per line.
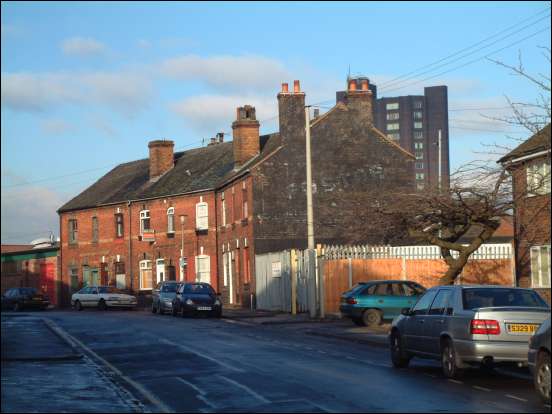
56 127
29 214
247 72
125 92
80 46
213 113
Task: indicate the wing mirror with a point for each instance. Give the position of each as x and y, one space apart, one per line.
406 312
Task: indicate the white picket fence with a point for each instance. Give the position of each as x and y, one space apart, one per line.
486 251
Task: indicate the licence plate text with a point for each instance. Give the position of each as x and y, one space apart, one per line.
205 308
522 328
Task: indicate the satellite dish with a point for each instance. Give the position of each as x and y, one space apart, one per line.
41 243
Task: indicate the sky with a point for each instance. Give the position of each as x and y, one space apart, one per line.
85 86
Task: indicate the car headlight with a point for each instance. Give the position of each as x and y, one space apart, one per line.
189 302
167 300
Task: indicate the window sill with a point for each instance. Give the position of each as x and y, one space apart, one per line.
170 234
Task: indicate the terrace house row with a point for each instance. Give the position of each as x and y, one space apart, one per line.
203 214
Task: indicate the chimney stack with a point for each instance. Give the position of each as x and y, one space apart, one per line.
161 157
220 137
360 100
246 135
291 114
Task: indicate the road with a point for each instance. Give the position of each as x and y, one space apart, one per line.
208 365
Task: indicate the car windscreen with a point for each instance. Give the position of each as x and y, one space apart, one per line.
28 291
108 289
490 297
199 289
170 288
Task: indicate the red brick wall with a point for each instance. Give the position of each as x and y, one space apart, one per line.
232 239
165 246
532 225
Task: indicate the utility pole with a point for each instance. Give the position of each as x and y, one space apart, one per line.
439 160
310 221
182 264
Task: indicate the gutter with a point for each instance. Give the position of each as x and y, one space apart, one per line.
524 158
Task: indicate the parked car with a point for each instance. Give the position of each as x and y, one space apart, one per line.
468 325
368 303
539 360
26 297
197 298
163 295
102 297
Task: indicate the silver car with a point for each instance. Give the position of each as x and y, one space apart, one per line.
468 325
163 295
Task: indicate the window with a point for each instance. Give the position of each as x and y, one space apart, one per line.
120 278
540 266
419 155
418 125
418 105
202 218
225 268
423 304
73 231
119 225
145 275
418 135
95 229
246 268
538 178
223 210
74 278
417 115
419 176
419 165
392 116
170 220
419 145
420 186
392 127
441 302
203 269
395 137
413 289
144 221
244 205
391 106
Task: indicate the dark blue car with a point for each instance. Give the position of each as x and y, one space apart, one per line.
368 303
197 298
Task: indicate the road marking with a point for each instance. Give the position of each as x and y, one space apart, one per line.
246 389
201 392
516 398
430 375
455 381
148 395
477 387
193 351
322 352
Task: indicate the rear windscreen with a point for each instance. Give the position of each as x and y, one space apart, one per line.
199 289
485 298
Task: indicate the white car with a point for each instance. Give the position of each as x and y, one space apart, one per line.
102 297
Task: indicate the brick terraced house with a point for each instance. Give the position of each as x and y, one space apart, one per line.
203 214
529 165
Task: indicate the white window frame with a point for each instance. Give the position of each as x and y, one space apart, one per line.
418 125
144 215
419 145
538 178
158 264
392 106
200 273
418 135
146 265
202 218
393 116
394 136
225 260
419 165
420 176
538 253
419 155
393 127
223 211
170 220
418 115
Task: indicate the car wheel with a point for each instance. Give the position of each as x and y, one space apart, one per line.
102 305
153 308
174 310
448 360
542 376
358 321
78 305
399 358
16 307
183 313
371 317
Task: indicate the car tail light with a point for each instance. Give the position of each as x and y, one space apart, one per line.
484 327
352 301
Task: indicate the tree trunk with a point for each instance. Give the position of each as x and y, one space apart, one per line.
454 270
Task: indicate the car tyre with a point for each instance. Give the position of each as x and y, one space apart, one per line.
78 305
399 357
102 305
449 362
542 376
17 307
153 308
358 321
174 310
371 317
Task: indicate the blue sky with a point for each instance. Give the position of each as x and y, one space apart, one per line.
85 86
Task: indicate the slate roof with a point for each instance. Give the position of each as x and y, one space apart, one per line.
538 142
194 170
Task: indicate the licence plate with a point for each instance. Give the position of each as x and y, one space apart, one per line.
37 298
521 328
206 308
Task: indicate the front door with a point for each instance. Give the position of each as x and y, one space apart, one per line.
436 321
160 266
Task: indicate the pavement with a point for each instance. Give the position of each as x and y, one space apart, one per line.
42 372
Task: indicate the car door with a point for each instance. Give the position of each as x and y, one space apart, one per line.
7 300
436 321
414 325
396 300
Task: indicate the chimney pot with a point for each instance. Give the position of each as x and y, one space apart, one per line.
285 88
296 88
364 84
352 85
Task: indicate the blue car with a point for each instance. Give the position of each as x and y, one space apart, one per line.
368 303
